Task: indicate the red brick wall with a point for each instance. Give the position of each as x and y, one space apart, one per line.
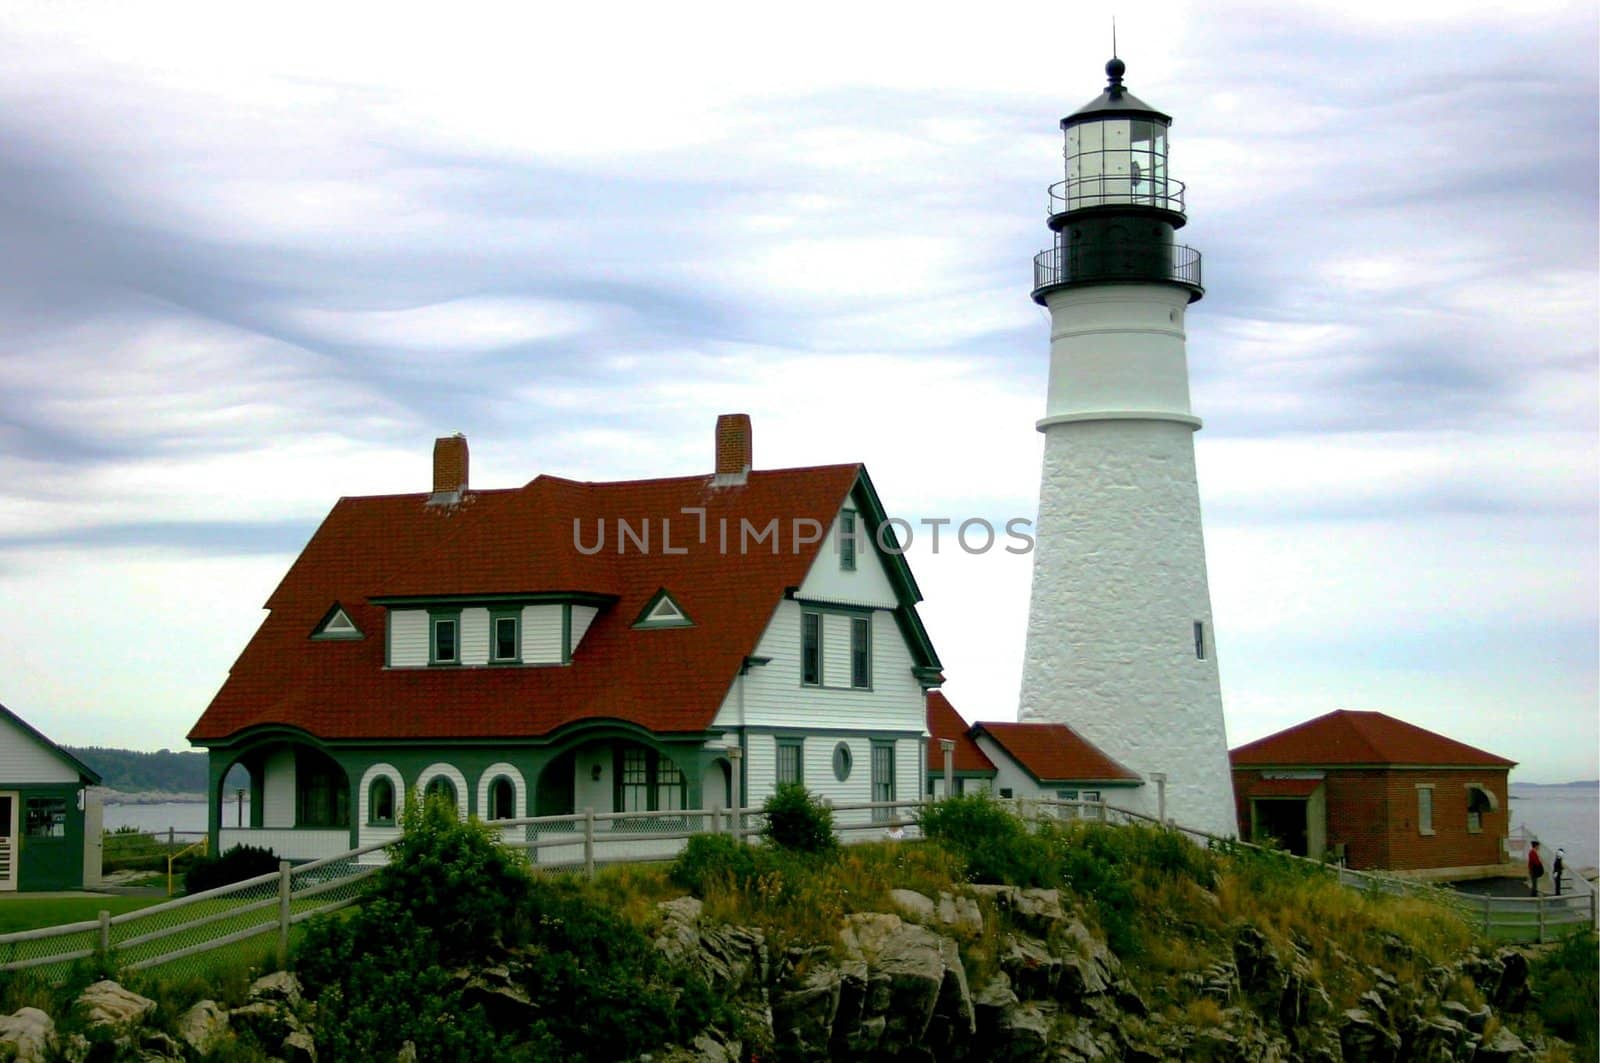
1373 812
1450 845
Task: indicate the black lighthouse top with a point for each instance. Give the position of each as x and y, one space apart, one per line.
1115 214
1115 100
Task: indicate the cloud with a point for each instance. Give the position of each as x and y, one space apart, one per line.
251 268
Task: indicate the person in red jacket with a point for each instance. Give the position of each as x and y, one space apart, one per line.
1535 869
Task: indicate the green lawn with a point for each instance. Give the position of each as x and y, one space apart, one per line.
30 913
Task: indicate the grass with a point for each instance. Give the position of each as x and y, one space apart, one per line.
29 913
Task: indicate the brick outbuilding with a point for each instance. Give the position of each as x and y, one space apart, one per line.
1375 791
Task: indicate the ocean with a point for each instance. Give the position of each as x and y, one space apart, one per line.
183 817
1565 817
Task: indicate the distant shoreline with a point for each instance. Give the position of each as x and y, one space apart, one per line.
146 797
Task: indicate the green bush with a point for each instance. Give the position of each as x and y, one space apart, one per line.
796 820
994 844
456 879
711 857
1566 985
235 865
452 901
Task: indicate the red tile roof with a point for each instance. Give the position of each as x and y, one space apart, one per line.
1284 787
1350 737
945 722
520 541
1054 752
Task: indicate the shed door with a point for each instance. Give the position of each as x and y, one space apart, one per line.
8 841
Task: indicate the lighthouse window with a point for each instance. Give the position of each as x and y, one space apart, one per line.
1199 640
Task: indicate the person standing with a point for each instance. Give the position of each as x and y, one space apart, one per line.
1535 868
1557 868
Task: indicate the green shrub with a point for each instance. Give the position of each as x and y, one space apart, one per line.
796 820
1566 985
710 858
994 844
456 879
452 901
235 865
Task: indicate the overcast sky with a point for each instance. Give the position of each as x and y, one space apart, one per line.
251 263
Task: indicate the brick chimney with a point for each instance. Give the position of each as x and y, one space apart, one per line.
450 466
733 449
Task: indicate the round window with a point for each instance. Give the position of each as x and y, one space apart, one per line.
841 761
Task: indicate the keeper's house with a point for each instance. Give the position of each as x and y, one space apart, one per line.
49 830
648 645
1377 793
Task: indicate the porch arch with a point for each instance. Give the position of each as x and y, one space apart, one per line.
449 773
519 787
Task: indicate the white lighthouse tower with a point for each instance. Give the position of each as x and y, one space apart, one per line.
1119 631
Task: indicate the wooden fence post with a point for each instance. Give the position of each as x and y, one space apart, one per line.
105 933
588 842
284 886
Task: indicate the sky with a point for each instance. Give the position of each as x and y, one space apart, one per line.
254 258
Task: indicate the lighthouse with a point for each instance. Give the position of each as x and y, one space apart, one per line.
1120 644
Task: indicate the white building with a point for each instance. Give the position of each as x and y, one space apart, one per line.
1120 643
653 645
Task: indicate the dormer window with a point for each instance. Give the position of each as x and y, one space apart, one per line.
444 643
505 637
337 625
663 611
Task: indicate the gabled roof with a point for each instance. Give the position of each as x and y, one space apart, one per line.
1347 737
525 541
1054 752
945 722
85 773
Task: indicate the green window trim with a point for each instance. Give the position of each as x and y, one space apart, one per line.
847 540
439 622
501 801
790 763
443 786
861 652
843 761
663 610
641 776
381 796
810 648
883 782
513 619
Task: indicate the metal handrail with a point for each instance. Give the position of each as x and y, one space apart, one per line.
1131 261
1116 190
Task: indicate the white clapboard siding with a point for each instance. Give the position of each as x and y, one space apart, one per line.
24 759
835 650
908 768
868 584
582 617
408 638
773 696
819 776
541 634
761 767
474 636
277 789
